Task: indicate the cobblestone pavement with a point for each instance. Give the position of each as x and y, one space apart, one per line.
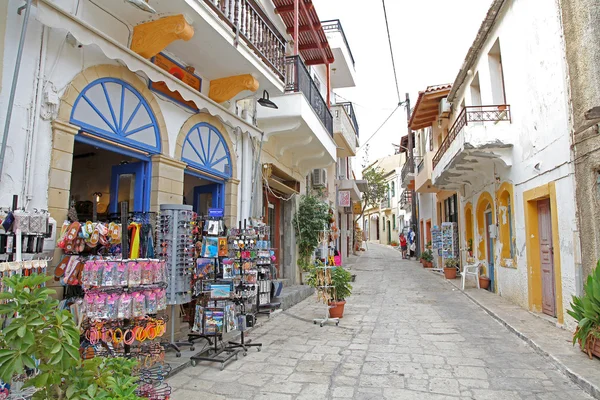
406 334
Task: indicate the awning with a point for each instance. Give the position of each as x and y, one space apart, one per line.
55 17
280 181
426 109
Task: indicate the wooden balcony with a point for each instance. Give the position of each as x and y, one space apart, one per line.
472 115
249 21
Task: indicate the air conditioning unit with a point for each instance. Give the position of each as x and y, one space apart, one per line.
444 108
319 177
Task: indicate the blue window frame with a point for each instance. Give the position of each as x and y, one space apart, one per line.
141 175
113 109
205 149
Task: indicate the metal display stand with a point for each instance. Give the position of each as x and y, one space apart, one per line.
219 355
325 253
174 238
245 344
264 304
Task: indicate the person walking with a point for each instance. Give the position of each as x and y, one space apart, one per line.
412 247
403 245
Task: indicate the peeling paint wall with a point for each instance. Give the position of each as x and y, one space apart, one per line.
536 89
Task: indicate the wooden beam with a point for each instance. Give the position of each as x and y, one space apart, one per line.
311 46
303 28
319 61
289 8
296 25
305 8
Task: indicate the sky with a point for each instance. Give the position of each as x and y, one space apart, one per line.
430 39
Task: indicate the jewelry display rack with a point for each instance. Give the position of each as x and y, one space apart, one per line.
246 289
266 273
174 239
325 253
224 353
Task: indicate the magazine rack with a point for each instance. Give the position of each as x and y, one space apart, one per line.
326 253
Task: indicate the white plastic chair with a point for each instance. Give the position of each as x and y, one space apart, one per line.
470 269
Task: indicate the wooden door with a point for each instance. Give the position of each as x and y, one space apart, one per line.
273 219
490 250
546 257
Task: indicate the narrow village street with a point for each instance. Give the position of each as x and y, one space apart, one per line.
406 334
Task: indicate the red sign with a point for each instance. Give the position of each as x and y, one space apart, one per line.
179 72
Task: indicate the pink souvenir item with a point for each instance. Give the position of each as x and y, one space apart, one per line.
112 304
151 306
90 302
124 309
138 305
87 273
147 272
101 306
135 273
121 275
161 299
108 273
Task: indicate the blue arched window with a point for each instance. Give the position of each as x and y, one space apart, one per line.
115 110
205 149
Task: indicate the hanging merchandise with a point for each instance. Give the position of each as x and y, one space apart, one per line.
325 289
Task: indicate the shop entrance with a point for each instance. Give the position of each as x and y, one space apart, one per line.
202 193
273 219
106 178
490 249
546 257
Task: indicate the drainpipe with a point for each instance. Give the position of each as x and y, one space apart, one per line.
257 166
32 140
246 176
11 98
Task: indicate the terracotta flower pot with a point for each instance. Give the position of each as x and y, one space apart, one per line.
450 273
484 282
592 347
337 309
428 264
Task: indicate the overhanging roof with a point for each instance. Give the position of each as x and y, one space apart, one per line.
312 42
425 111
404 142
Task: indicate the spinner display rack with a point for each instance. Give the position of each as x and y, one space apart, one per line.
224 353
327 267
175 247
265 266
248 237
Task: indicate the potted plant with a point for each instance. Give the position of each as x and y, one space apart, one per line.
427 257
584 310
42 343
484 281
394 244
340 280
450 268
310 219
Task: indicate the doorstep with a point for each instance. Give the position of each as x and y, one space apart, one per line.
292 295
542 335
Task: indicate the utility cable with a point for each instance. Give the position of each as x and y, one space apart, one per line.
391 51
381 126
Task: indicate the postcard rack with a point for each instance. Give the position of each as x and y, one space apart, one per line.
213 287
175 246
325 288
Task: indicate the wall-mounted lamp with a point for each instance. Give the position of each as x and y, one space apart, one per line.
142 5
538 166
266 102
440 123
97 196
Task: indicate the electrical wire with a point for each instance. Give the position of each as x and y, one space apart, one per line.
381 126
391 51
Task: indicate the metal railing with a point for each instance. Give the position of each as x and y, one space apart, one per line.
252 24
385 203
468 115
297 79
421 165
406 200
336 26
409 167
350 111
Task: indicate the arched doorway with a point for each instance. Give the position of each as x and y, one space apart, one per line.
111 154
207 155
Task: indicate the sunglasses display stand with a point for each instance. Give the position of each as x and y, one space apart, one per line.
326 288
219 353
247 257
175 247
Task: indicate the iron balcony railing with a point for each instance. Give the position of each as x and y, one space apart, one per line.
471 114
409 167
252 24
335 25
406 200
350 111
420 166
385 203
297 79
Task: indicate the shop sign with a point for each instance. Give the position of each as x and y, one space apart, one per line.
215 212
356 207
344 198
180 72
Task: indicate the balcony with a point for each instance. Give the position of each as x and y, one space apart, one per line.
343 73
246 18
408 171
345 129
303 125
406 200
477 138
298 80
423 179
385 204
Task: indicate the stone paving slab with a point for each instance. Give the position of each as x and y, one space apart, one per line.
546 338
406 334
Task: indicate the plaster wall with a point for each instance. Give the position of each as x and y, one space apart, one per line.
538 134
582 43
